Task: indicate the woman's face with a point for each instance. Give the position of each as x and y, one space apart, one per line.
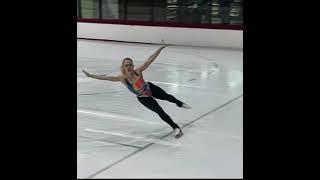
128 66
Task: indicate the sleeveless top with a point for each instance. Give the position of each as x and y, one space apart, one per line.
140 87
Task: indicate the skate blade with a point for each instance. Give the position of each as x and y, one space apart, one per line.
178 136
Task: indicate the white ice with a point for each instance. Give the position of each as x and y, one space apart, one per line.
119 138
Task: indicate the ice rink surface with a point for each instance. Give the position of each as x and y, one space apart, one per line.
117 137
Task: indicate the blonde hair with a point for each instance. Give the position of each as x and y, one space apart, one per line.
123 72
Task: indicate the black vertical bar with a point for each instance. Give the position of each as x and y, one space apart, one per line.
180 11
152 10
125 9
79 8
210 12
120 9
100 9
165 10
241 10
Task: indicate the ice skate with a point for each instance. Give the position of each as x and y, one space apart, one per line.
177 132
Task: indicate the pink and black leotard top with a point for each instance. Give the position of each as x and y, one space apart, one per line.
140 87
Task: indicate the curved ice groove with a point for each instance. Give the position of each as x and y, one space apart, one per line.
83 79
176 84
196 55
221 135
113 115
151 140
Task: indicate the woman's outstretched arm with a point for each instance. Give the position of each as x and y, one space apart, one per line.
150 60
102 77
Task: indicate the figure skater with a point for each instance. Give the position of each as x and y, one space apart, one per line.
146 92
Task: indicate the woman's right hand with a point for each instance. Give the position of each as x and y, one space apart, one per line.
86 73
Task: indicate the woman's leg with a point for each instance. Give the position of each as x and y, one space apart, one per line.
153 105
159 93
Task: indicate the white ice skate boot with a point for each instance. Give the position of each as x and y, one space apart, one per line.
177 132
186 106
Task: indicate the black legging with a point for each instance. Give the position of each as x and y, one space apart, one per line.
153 105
